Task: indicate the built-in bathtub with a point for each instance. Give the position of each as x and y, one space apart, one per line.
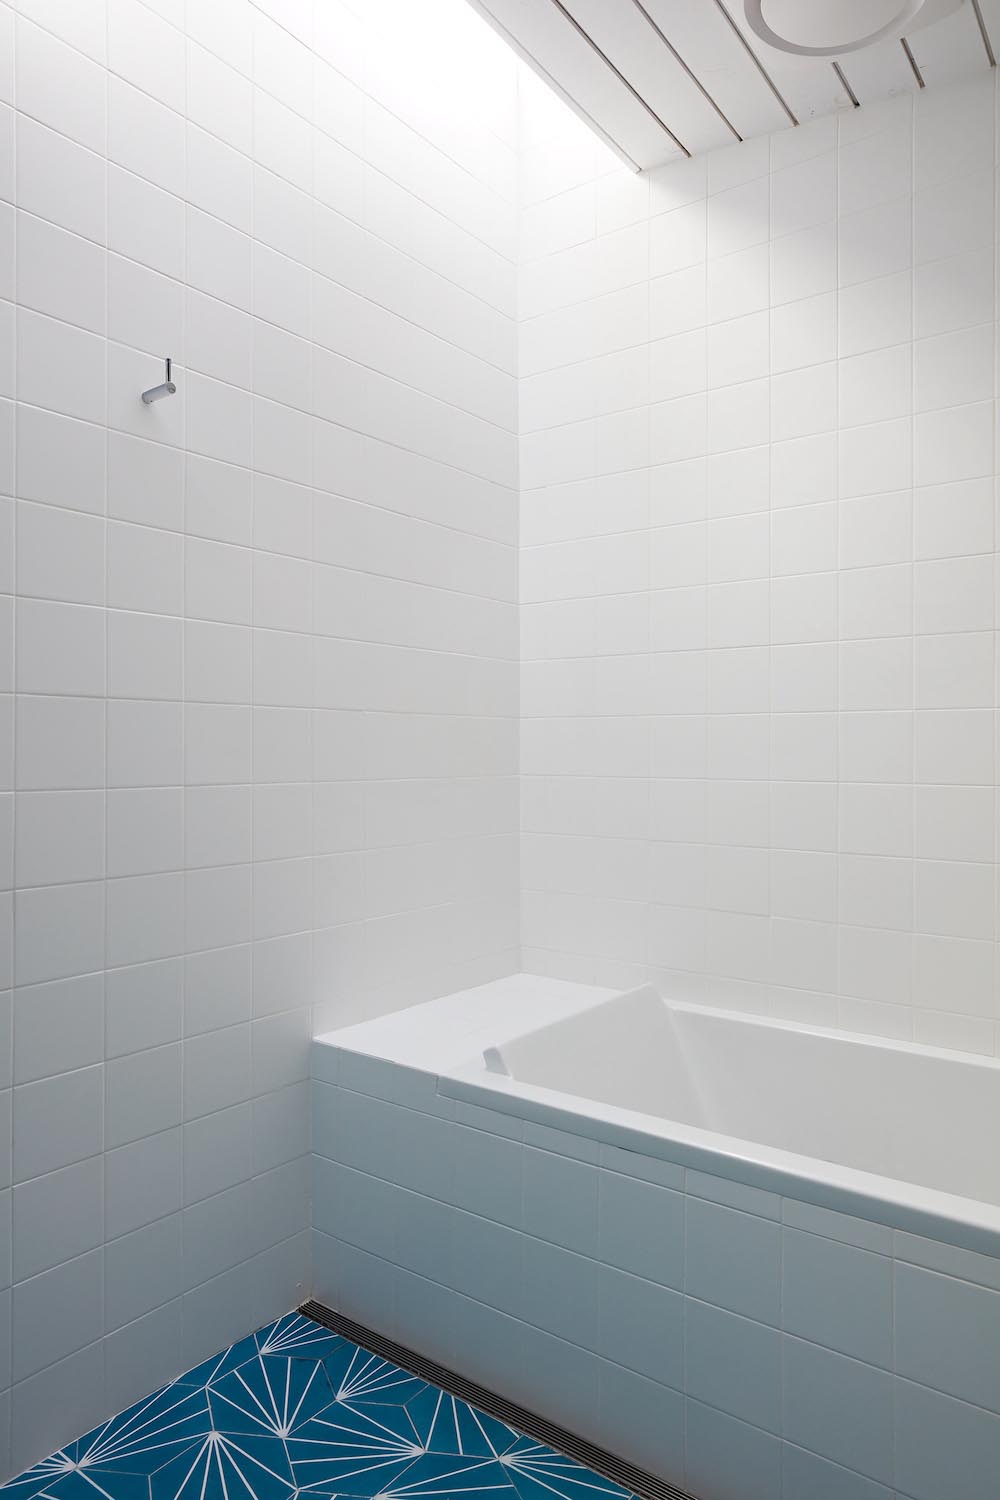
757 1258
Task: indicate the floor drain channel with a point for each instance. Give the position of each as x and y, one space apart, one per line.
637 1481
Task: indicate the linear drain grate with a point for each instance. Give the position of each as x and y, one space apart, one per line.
637 1481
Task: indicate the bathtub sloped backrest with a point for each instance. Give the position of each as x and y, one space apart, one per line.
625 1051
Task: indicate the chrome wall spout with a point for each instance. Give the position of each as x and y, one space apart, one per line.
157 392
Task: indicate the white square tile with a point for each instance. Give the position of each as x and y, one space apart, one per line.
58 1121
58 1027
821 1389
721 1452
143 1007
60 180
143 1094
837 1295
144 656
60 837
805 1476
876 314
640 1326
60 87
942 1333
49 353
60 461
60 274
145 569
876 241
60 743
733 1364
58 1217
930 1426
145 831
733 1260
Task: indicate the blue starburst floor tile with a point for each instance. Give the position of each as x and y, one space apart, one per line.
295 1411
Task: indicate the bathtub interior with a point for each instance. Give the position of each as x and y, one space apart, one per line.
916 1114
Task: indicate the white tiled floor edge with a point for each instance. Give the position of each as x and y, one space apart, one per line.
744 1345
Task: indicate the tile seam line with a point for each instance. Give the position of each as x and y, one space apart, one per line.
311 48
185 37
476 537
439 401
793 369
99 1343
496 310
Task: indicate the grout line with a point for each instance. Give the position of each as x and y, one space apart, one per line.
837 706
105 1079
913 143
511 261
6 1433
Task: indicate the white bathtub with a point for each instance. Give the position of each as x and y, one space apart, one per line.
756 1258
905 1134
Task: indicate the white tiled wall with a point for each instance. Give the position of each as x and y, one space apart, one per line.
740 1344
758 567
258 645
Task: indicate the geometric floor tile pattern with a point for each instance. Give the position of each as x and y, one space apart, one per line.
296 1411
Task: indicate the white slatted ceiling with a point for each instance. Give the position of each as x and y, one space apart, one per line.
548 41
808 84
991 19
949 50
878 72
715 44
713 51
625 36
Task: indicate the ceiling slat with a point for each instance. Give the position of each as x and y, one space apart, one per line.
622 32
878 72
713 52
660 77
808 83
990 12
555 49
950 49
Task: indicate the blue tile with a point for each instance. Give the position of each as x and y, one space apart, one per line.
121 1454
295 1411
538 1473
360 1377
444 1424
272 1394
354 1450
220 1364
224 1467
299 1337
446 1475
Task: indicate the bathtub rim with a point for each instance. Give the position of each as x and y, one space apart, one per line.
963 1222
969 1223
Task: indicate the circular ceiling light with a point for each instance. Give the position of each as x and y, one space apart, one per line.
831 28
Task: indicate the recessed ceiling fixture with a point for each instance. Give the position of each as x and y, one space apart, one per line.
832 28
